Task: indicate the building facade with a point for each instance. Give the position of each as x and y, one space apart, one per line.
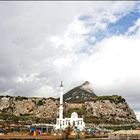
62 123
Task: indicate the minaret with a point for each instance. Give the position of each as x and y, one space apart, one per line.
61 102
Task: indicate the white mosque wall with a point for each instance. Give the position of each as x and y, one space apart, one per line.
63 123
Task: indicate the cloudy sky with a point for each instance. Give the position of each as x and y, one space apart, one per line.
42 43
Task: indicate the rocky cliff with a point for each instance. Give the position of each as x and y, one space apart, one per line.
34 110
95 109
103 109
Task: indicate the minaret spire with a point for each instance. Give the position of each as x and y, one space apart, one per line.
61 84
61 102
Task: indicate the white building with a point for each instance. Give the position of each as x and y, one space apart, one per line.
62 123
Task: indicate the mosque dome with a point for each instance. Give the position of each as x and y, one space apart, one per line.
74 115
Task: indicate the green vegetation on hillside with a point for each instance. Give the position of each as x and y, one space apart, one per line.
80 112
121 127
113 99
40 102
26 118
20 98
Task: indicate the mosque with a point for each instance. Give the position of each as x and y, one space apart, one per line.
62 123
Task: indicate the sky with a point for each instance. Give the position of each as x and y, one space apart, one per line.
43 43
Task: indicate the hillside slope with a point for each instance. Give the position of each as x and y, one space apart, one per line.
80 93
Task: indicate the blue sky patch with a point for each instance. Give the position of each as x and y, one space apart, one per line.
122 25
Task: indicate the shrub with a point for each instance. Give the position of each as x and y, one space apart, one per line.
21 98
40 102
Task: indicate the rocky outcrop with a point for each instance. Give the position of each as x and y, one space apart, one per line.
94 109
104 109
108 111
29 108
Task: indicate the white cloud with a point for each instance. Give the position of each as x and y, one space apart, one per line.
135 29
72 39
115 60
137 115
41 92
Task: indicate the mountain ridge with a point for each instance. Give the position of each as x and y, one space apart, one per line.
94 109
80 93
